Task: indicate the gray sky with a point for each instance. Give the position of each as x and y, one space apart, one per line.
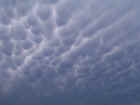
69 52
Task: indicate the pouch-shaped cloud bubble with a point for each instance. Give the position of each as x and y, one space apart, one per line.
69 52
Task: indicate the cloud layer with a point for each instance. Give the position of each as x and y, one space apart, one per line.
74 52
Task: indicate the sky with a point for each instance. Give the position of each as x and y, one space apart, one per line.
69 52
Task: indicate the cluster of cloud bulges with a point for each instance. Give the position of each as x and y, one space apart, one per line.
52 47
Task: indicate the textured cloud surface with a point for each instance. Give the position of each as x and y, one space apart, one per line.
69 52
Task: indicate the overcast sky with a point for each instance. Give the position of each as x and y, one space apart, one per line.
69 52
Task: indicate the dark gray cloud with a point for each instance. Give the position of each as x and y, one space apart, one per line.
69 52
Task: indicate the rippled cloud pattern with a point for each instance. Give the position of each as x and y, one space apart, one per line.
69 52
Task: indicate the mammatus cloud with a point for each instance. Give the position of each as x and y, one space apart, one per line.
81 52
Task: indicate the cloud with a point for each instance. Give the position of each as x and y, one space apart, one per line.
69 52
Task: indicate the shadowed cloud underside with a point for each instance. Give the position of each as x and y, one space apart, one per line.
69 52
